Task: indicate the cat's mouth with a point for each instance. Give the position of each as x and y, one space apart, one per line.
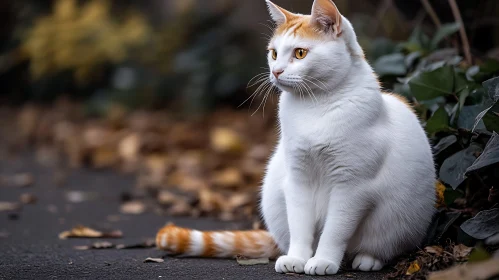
283 84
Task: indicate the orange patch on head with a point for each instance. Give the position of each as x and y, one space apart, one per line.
301 26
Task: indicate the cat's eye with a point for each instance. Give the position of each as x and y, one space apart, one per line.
301 53
274 54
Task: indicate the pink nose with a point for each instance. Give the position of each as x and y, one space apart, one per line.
277 73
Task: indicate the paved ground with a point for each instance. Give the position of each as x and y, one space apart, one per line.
30 247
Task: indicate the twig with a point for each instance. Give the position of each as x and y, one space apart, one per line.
462 31
431 12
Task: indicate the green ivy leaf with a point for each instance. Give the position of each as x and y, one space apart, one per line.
467 117
492 87
491 118
391 64
443 32
454 167
483 225
430 85
489 156
438 122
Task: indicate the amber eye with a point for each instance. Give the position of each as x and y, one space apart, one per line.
274 54
301 53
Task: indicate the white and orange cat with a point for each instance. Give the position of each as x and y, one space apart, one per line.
353 172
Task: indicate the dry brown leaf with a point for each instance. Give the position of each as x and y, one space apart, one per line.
153 173
28 198
19 180
226 140
461 252
476 271
241 260
129 151
167 198
228 178
133 207
96 245
9 206
154 260
79 196
105 157
180 208
436 250
86 232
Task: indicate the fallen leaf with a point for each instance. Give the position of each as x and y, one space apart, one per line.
28 198
102 245
79 196
82 247
105 157
461 252
436 250
470 271
440 189
227 178
413 268
96 245
226 140
20 180
154 260
86 232
242 260
483 225
9 206
133 207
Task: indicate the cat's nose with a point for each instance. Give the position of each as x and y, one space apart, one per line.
277 73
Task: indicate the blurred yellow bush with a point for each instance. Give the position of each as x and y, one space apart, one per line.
82 37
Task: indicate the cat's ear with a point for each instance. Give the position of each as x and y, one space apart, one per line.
278 14
326 16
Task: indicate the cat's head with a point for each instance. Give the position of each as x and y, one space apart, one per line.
313 51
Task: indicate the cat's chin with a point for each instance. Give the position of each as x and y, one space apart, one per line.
284 86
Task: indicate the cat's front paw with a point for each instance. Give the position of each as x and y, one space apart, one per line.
287 264
319 266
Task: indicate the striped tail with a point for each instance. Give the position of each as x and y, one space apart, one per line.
216 244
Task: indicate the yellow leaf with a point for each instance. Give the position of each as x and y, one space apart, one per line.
413 268
440 190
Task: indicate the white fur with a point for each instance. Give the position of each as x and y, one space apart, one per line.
196 247
353 170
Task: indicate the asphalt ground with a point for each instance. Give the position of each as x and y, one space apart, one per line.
30 247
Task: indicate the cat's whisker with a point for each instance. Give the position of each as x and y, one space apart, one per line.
308 80
261 79
259 90
319 81
258 76
310 92
305 88
262 102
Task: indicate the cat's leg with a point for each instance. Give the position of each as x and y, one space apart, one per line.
301 221
346 209
273 205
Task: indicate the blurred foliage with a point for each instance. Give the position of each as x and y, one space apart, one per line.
457 103
86 49
79 38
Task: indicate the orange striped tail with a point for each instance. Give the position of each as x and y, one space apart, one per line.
216 244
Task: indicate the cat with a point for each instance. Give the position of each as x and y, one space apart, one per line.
352 174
